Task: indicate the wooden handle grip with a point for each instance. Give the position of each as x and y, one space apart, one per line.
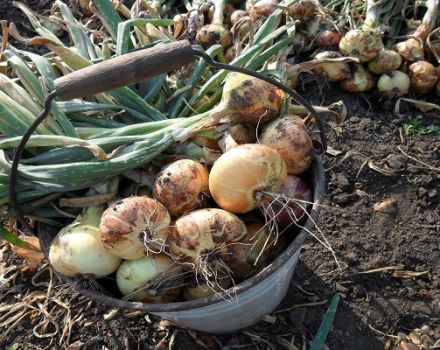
124 70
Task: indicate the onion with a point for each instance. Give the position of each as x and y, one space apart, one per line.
262 9
202 289
289 137
237 15
251 253
153 279
181 186
360 81
362 44
133 226
411 50
423 76
215 33
335 71
77 248
298 192
303 10
328 38
394 82
323 31
243 134
257 168
247 100
386 60
201 238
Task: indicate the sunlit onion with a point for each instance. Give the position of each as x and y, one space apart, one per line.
362 44
411 50
386 60
423 76
335 71
133 226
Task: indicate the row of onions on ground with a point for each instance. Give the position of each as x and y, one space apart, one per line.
321 32
200 229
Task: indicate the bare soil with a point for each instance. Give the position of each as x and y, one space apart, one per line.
374 306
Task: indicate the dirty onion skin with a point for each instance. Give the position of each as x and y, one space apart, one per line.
153 279
423 76
134 226
289 136
201 238
240 176
215 33
181 186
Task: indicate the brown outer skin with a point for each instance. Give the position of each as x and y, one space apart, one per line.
262 9
203 230
302 10
289 136
179 186
411 50
423 76
212 34
125 219
240 173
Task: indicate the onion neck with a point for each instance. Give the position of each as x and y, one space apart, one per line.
219 9
428 21
373 13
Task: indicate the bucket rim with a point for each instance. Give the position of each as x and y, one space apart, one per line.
318 197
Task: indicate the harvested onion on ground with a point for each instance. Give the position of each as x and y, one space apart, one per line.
423 76
134 226
386 60
289 137
77 248
394 82
153 279
241 175
201 289
215 33
181 186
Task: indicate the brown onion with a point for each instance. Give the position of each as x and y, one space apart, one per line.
262 9
181 186
303 10
132 226
411 50
289 136
237 15
328 38
386 60
423 76
362 44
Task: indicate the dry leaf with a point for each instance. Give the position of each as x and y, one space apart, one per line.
332 151
269 319
33 258
409 274
385 206
75 346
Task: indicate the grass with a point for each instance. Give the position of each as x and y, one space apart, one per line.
416 126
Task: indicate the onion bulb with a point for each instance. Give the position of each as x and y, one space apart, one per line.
237 15
243 134
394 82
411 50
299 195
77 248
181 186
239 176
251 253
215 33
360 81
303 10
133 226
386 60
201 238
202 289
328 38
152 279
423 76
247 100
362 44
289 137
335 71
262 9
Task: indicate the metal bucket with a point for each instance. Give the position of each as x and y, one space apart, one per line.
252 299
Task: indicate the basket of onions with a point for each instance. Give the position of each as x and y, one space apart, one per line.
211 245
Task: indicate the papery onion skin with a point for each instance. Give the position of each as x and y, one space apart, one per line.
239 174
423 76
335 71
255 101
181 185
386 60
358 82
212 34
362 44
134 274
289 136
303 10
243 134
237 15
262 9
125 223
201 231
411 50
77 248
394 82
201 290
